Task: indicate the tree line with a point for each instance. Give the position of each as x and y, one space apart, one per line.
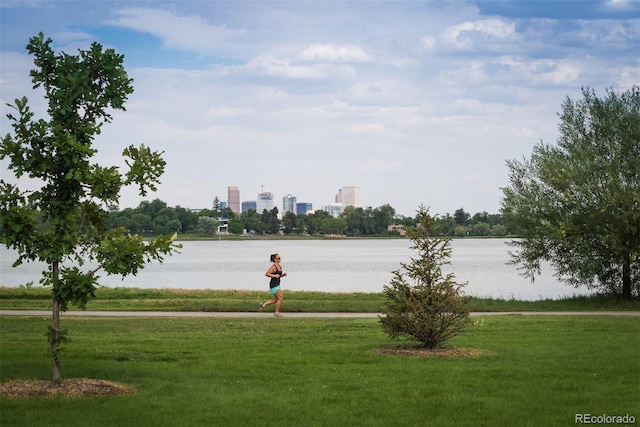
156 217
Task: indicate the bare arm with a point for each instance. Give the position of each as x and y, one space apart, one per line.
270 272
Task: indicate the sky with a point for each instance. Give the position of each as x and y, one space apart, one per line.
416 102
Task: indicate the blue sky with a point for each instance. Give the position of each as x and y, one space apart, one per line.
415 102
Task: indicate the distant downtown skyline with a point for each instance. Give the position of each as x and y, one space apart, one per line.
346 196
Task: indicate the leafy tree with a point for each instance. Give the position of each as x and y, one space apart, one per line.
314 221
383 217
269 222
207 225
228 213
188 220
236 227
445 226
289 222
423 303
354 218
216 207
481 229
250 219
577 204
62 223
274 222
152 208
461 217
335 226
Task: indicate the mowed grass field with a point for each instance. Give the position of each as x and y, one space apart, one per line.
206 300
527 371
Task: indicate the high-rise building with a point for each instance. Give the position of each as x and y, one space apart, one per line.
303 207
265 201
288 204
333 209
233 198
349 196
249 204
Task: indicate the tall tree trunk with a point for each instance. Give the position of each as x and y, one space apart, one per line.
55 329
626 277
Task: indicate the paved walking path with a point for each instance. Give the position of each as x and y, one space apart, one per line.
292 315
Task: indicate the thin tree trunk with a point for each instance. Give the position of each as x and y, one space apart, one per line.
626 278
55 331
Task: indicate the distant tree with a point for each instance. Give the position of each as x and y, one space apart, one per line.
498 230
444 226
314 221
421 302
383 217
236 227
333 226
577 205
188 220
289 222
216 208
460 231
481 229
207 225
152 208
265 216
62 223
354 218
228 213
273 223
461 217
250 219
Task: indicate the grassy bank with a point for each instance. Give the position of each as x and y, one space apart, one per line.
531 370
128 299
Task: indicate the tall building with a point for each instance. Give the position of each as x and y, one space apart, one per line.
288 204
249 204
265 201
303 207
233 198
349 196
333 209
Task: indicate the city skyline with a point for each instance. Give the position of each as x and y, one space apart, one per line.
266 200
420 103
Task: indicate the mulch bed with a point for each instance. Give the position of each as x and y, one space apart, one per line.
80 387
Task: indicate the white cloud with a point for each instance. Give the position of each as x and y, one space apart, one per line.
306 97
369 166
372 129
483 35
332 53
223 112
187 32
271 66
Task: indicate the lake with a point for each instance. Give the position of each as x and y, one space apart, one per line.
345 265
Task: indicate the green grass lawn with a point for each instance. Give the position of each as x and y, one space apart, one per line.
533 371
129 299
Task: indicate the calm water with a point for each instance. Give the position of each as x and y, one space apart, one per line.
318 265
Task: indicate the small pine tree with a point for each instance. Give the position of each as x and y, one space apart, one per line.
422 303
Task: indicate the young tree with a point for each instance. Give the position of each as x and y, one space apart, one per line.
423 303
577 205
62 223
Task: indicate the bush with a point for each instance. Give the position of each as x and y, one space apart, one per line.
422 303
